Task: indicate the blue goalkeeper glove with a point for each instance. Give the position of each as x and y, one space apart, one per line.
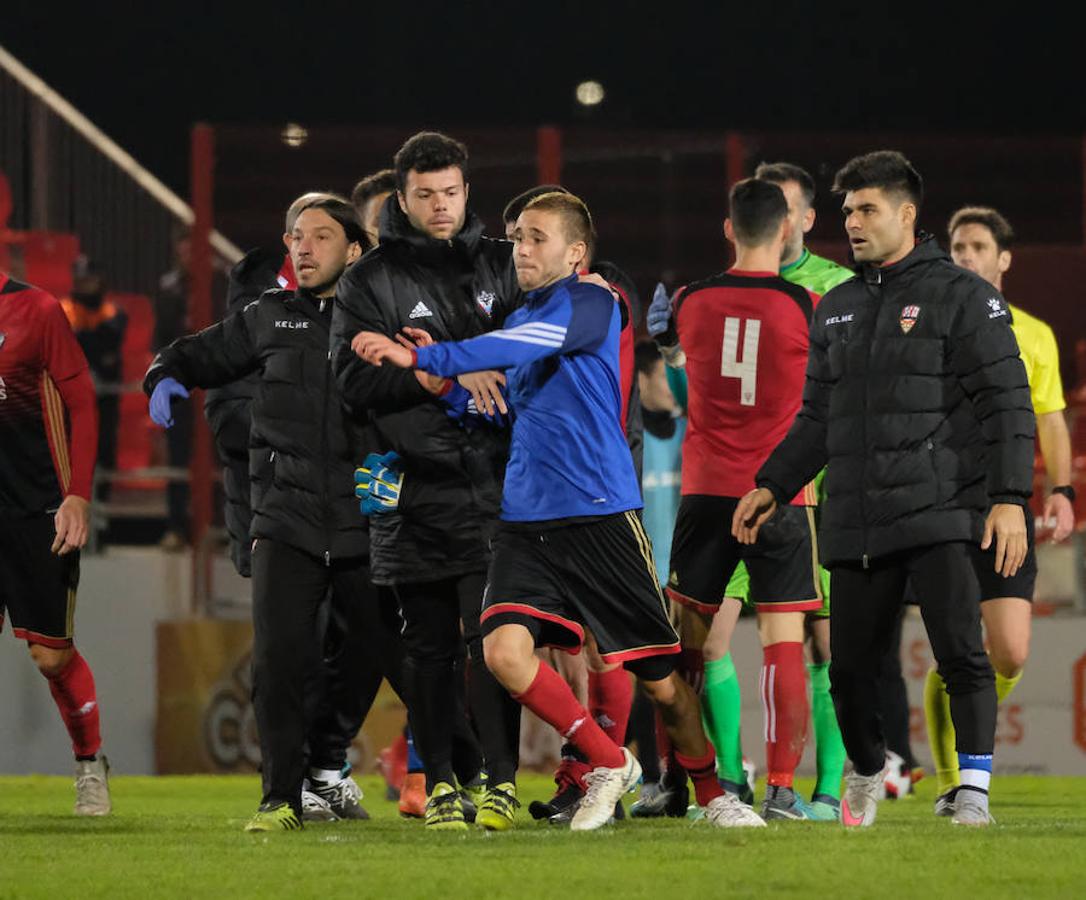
659 315
162 398
377 483
661 327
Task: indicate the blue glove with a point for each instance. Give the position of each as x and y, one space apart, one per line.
377 483
659 314
161 399
661 327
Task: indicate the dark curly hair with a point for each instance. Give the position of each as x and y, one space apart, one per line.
429 151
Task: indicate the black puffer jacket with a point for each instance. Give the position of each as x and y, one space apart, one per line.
227 409
917 399
451 492
303 446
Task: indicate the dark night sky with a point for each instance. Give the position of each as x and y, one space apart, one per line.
145 76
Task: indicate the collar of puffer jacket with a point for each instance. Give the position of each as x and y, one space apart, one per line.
395 228
927 250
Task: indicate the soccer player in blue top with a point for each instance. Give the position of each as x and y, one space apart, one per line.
571 555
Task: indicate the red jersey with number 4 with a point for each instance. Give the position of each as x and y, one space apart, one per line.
45 387
745 335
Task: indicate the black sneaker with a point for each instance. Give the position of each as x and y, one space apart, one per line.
562 802
664 801
344 797
945 803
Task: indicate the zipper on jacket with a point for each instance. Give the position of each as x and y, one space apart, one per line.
872 285
324 452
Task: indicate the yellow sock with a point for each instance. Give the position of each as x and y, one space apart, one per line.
1005 685
940 733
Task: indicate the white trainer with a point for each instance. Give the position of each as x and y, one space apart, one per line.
605 789
92 787
898 777
728 811
971 808
861 799
316 809
344 797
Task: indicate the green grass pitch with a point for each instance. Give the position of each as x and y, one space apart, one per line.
182 837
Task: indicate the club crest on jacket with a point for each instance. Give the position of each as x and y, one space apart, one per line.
908 319
485 299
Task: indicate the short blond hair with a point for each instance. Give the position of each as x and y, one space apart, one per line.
576 219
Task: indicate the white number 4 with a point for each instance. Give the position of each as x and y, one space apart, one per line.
746 370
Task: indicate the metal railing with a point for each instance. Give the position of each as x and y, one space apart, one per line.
68 176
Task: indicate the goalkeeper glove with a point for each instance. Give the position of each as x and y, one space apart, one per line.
377 483
661 328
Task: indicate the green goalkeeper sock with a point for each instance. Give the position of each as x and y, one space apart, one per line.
721 709
829 748
941 735
1005 685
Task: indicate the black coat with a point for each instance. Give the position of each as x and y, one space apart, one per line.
303 446
917 400
227 409
451 491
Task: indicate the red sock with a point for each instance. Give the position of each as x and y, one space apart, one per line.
571 771
702 771
610 697
550 698
73 691
673 774
783 687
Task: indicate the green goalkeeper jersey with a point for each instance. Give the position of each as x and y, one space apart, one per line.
816 273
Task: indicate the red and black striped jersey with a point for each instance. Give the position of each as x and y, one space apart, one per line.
46 393
745 336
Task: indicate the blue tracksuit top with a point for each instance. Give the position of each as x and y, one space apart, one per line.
569 457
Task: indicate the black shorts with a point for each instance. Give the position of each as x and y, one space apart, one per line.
993 585
598 574
783 562
37 588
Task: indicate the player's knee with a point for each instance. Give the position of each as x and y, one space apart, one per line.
1009 658
818 632
49 660
716 646
503 656
664 691
780 627
593 661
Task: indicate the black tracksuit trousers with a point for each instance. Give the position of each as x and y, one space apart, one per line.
308 710
894 699
361 647
866 604
432 614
